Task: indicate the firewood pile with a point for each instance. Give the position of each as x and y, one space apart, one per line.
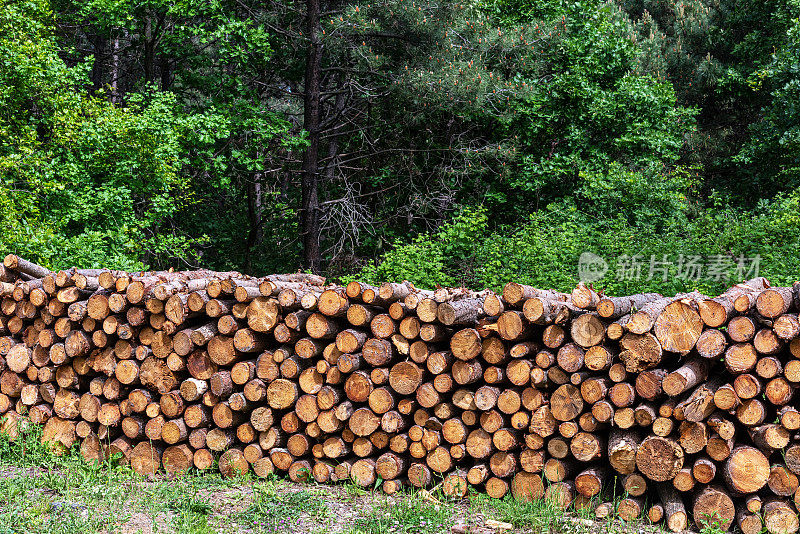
682 405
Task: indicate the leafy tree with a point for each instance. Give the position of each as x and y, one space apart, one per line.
713 52
86 182
774 146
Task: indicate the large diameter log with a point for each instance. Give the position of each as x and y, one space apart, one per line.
660 458
679 326
774 301
746 470
178 458
233 464
58 434
713 507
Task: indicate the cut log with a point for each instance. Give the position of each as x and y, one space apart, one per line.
746 470
659 458
774 301
780 517
713 507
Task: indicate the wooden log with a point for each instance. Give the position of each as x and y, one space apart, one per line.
713 506
769 437
630 508
782 482
711 344
746 470
586 447
689 375
640 352
677 519
145 458
786 327
15 263
515 294
460 312
566 403
622 447
780 517
659 458
588 330
774 301
405 378
590 482
616 307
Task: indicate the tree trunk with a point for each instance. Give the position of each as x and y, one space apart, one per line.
310 208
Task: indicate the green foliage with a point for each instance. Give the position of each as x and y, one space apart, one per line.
716 55
462 143
410 513
90 183
774 148
445 257
592 111
650 233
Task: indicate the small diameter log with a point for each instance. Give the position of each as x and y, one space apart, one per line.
616 307
15 263
689 375
590 482
622 447
676 518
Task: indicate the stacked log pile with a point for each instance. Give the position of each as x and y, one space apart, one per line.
685 405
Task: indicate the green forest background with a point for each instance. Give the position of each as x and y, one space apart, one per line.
444 142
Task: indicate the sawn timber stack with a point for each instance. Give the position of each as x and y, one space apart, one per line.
685 405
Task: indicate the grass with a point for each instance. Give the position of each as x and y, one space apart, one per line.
274 511
43 493
401 515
